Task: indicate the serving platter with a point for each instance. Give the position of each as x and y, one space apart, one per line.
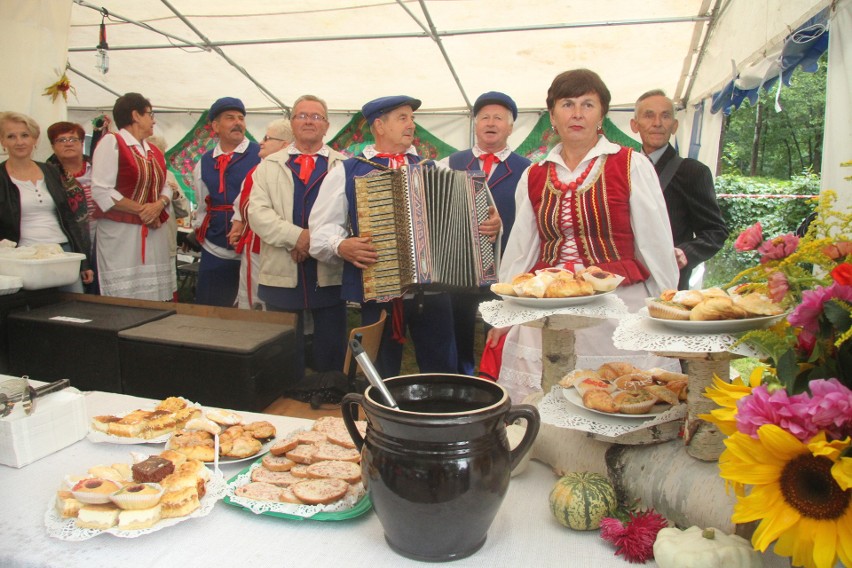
572 396
67 529
551 303
716 326
349 507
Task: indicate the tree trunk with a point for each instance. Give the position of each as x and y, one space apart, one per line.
755 145
789 158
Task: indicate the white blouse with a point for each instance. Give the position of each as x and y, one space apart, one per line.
39 217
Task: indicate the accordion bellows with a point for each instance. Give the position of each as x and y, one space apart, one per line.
423 221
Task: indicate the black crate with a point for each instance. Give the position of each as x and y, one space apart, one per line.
19 301
242 365
73 340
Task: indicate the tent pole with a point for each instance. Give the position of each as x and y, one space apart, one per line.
141 25
221 53
437 39
89 79
714 19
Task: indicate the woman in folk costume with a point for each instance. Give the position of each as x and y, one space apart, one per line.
589 202
132 197
242 238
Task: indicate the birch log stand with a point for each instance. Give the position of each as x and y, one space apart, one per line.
650 465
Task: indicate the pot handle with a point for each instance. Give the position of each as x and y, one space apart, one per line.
530 413
349 408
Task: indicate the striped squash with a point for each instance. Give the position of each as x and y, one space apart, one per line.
581 499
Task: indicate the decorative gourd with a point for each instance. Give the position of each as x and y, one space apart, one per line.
707 548
580 500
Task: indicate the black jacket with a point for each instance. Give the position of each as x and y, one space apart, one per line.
698 228
10 209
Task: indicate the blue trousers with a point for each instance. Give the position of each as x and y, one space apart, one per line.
430 327
218 281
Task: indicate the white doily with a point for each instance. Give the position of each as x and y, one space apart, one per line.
639 333
356 492
503 314
66 529
555 410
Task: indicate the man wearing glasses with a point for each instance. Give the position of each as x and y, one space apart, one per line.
218 176
286 186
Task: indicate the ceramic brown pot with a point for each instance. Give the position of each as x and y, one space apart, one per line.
438 467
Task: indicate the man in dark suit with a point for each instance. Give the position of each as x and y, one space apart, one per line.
698 229
494 116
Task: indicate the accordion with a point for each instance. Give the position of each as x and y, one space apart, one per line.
423 221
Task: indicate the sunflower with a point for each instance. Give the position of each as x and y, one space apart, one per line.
726 396
797 494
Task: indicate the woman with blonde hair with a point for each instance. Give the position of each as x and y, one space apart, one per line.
33 204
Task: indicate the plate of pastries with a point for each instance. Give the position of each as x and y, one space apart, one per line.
236 439
313 474
557 287
621 389
141 426
713 310
131 499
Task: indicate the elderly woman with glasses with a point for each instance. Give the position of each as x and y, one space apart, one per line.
278 136
133 202
33 204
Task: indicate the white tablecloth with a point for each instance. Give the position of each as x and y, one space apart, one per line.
524 532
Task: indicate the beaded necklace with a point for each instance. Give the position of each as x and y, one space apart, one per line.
571 186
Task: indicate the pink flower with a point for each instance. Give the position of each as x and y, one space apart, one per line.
830 407
750 238
635 538
778 286
780 247
789 412
806 315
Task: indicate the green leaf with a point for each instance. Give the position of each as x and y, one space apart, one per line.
787 371
837 315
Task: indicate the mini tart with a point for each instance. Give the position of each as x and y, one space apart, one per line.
633 381
585 385
94 491
601 280
634 401
137 496
666 309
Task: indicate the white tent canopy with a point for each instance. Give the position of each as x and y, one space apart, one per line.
183 54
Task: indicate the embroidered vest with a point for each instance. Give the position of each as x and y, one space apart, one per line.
502 183
353 287
217 203
140 179
600 215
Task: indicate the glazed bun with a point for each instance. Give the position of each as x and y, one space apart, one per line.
503 289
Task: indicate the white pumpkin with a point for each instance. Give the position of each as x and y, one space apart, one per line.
703 548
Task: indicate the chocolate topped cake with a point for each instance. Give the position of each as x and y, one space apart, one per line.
152 470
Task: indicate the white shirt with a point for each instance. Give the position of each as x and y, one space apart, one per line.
657 154
105 169
503 155
39 216
201 193
648 219
329 220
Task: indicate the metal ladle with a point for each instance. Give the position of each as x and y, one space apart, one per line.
16 391
371 372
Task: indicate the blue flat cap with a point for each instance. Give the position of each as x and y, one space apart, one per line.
223 104
377 107
496 98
